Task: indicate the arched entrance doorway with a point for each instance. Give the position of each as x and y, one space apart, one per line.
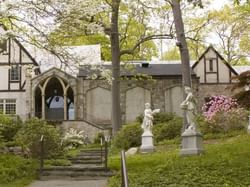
54 100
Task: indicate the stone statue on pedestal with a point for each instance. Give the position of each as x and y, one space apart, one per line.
147 124
189 106
191 139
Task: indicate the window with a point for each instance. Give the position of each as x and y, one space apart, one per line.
3 45
1 106
8 106
15 73
211 68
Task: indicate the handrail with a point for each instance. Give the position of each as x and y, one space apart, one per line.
41 154
124 170
106 155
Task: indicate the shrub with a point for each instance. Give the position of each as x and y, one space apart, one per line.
15 167
222 114
161 117
73 138
99 136
128 136
169 130
9 127
30 134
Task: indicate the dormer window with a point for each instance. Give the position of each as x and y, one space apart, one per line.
15 73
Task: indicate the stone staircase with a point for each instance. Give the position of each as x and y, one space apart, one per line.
87 165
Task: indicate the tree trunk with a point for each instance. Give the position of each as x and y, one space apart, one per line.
182 44
115 51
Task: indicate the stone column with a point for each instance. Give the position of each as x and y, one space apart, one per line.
28 95
75 107
65 106
248 127
43 106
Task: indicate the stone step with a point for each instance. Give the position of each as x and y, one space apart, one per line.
86 157
75 172
73 178
80 161
92 150
90 154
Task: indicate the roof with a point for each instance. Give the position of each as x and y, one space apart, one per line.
85 54
155 70
241 69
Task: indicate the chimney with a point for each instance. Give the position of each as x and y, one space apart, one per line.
145 64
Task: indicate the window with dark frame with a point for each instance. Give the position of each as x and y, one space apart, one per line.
15 73
211 67
1 106
8 106
3 45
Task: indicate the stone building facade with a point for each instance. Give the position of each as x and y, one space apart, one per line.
90 99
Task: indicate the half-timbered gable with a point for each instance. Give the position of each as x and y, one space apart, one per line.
212 68
215 75
14 63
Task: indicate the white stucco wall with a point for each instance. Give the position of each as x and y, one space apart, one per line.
224 76
4 77
20 102
199 70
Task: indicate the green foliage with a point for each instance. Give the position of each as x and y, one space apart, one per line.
9 127
243 98
161 117
30 134
13 168
99 136
223 164
128 136
168 130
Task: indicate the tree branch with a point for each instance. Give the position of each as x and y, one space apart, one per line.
145 39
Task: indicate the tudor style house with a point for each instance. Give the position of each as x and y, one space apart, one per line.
14 61
79 101
215 75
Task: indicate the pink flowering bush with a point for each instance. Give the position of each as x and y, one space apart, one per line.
222 114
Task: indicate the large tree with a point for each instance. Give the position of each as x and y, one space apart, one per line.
231 28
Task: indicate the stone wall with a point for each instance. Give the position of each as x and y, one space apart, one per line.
94 98
208 90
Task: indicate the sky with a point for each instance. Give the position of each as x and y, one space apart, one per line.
217 4
213 5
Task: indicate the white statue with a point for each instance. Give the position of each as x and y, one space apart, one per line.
147 123
189 106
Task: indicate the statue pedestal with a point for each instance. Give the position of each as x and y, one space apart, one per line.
147 142
248 129
191 143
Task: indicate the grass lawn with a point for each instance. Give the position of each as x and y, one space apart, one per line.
16 171
226 163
